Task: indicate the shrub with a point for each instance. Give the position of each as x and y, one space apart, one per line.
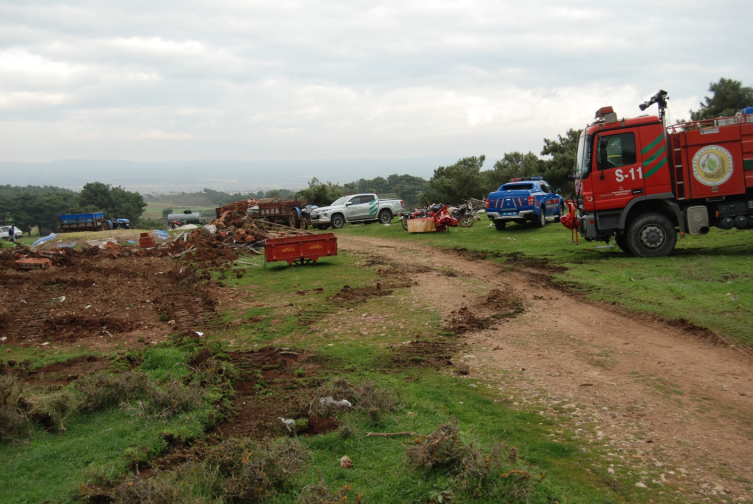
102 390
172 399
253 470
13 419
365 396
488 475
51 409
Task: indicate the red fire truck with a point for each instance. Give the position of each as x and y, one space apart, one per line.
640 182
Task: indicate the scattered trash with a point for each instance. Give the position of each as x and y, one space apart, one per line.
42 240
102 242
345 462
330 401
288 422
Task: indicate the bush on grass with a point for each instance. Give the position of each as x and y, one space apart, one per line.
322 494
366 396
102 390
14 422
237 470
489 474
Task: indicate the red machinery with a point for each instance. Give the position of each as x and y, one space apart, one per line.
304 248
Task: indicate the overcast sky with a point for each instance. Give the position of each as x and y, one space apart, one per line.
331 79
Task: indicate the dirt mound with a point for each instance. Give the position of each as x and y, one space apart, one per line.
484 312
349 294
436 354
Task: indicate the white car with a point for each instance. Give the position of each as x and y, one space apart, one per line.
5 230
366 207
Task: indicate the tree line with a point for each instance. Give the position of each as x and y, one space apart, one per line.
34 206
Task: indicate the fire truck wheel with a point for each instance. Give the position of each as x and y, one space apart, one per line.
540 221
621 241
500 224
337 221
651 235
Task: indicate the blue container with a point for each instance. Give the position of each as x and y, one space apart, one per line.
747 111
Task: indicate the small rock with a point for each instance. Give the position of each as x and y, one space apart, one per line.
640 484
345 462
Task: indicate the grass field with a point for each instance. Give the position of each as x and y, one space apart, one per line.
706 282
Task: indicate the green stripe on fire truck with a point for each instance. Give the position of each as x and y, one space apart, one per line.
656 168
651 159
653 144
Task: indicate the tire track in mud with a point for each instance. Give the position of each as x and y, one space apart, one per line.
662 401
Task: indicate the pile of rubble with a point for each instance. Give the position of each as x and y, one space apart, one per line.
217 242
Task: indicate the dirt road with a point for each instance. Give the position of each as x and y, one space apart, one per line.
661 402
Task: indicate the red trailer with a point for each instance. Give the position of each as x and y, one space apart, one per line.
304 248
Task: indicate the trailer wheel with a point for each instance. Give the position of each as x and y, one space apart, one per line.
500 224
337 221
385 216
540 221
304 224
651 235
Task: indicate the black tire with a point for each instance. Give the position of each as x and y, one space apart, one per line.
540 221
621 241
466 220
404 222
385 216
651 235
337 221
563 209
500 224
321 227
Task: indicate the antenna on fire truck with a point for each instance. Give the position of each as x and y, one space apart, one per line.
660 98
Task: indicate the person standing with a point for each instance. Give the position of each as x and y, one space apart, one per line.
12 234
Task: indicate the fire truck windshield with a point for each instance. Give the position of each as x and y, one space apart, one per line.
583 158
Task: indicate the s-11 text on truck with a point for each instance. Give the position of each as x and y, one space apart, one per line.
356 208
639 181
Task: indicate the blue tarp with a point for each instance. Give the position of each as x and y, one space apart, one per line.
45 239
67 246
161 234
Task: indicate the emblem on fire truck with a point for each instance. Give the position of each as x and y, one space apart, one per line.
712 165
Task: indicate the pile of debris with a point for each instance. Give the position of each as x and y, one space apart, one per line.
216 243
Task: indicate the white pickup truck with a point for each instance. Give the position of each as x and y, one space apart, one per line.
356 208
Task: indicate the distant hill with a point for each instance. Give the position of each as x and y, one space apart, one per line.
228 176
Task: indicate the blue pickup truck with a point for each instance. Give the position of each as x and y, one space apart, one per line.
524 199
